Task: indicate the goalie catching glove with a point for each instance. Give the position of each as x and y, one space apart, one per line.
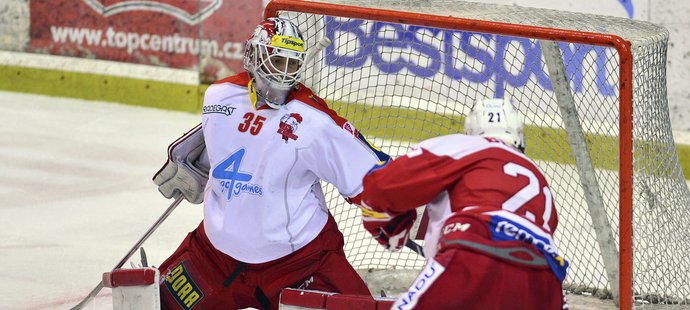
186 171
390 230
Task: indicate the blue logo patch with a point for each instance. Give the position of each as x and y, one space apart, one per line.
232 180
503 229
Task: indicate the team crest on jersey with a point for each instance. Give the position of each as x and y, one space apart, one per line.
190 12
288 126
351 129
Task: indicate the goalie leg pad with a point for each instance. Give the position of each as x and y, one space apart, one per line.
135 289
291 298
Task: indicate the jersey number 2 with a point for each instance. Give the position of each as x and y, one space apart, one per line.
527 193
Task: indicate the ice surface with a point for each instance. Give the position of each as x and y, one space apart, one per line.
76 194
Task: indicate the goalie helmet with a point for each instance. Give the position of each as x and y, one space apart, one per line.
496 118
274 57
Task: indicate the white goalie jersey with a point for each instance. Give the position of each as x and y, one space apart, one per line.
263 199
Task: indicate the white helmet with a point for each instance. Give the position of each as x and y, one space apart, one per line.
496 118
274 57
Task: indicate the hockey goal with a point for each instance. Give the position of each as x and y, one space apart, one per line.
592 90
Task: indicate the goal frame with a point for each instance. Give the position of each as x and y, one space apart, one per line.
625 87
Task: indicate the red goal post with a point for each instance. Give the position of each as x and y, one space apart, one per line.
611 165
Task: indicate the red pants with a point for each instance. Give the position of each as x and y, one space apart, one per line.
461 277
199 276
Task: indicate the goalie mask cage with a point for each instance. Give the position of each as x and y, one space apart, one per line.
592 92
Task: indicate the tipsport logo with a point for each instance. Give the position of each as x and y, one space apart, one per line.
290 43
232 181
193 13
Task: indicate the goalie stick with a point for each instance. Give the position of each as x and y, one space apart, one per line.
320 45
148 233
415 247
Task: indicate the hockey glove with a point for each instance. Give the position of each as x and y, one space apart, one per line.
186 171
391 231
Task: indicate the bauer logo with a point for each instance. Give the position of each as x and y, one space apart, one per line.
182 288
191 12
426 278
217 108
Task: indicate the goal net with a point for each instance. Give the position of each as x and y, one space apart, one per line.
592 91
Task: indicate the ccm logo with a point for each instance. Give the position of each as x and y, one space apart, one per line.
453 227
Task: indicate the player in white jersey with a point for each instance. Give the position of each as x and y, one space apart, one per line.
489 241
269 141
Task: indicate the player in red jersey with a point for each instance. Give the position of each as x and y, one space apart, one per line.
489 241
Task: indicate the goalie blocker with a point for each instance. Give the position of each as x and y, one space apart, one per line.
134 289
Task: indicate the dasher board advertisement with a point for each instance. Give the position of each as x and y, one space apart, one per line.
206 35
